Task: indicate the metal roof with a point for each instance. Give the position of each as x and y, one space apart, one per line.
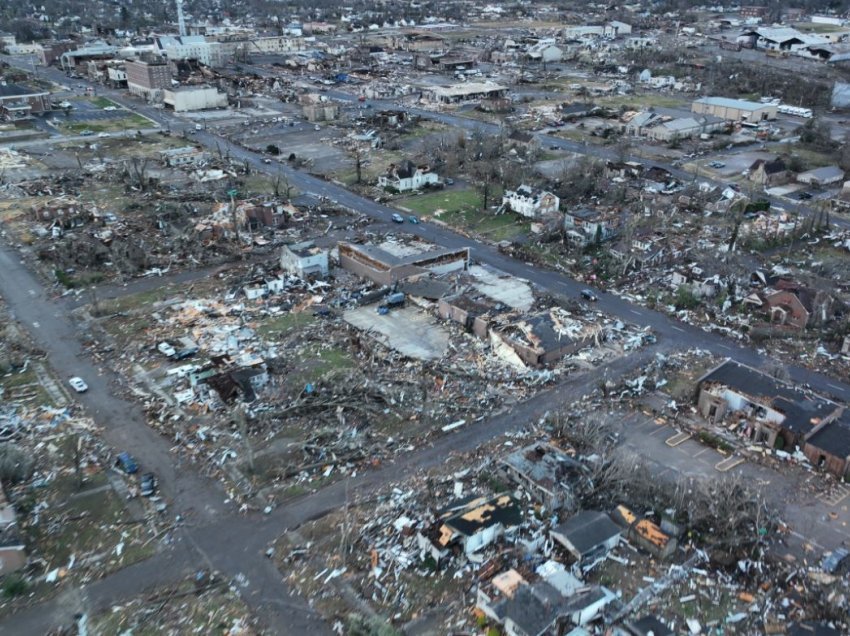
728 102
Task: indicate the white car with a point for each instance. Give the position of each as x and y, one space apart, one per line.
166 349
78 384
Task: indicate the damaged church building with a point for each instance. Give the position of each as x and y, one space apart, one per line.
776 414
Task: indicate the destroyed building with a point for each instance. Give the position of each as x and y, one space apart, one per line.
645 533
380 265
548 474
762 408
543 339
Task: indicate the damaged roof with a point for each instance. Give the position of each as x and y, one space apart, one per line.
500 509
544 464
801 411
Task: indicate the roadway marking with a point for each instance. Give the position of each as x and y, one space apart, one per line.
729 463
697 454
678 438
36 325
678 329
635 312
834 386
807 540
835 496
723 346
658 430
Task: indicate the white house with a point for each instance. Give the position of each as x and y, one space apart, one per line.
530 202
304 260
585 226
408 176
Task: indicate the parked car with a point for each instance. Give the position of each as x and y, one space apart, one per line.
126 463
267 160
78 384
588 294
397 218
717 164
166 349
449 181
147 485
413 220
804 196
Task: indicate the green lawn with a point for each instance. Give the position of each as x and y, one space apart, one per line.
130 122
25 385
316 362
644 100
103 102
462 209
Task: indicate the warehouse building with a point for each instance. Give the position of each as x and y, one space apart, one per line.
734 109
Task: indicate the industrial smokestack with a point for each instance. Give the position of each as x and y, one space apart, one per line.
181 21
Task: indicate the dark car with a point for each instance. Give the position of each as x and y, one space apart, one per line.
588 294
413 220
147 485
125 462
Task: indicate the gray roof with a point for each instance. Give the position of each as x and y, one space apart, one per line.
728 102
588 530
800 409
834 438
826 173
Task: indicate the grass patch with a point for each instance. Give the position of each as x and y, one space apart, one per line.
131 122
811 158
644 100
462 209
103 102
448 200
284 324
91 524
25 386
315 362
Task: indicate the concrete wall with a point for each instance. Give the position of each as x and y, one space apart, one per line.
195 99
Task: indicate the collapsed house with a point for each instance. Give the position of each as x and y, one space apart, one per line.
550 476
645 533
